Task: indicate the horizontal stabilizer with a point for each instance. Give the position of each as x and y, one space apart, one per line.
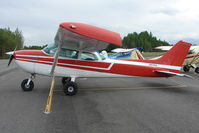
175 74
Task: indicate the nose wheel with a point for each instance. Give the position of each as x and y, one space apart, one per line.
27 84
27 87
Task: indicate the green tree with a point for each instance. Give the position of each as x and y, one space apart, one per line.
35 47
9 40
144 40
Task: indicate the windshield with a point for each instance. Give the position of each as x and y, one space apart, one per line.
50 49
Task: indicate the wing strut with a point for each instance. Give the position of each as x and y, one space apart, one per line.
48 104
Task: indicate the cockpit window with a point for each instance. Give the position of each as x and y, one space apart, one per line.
88 56
68 53
51 49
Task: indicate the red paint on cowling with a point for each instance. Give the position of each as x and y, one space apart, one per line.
93 32
31 52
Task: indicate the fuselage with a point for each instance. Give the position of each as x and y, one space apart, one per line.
40 62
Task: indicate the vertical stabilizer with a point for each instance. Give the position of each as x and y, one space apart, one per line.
176 55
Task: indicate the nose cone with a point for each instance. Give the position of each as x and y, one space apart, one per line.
10 53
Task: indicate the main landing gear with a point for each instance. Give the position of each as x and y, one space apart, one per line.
69 86
197 69
187 68
27 84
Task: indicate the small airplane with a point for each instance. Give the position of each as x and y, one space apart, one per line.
73 55
121 53
191 60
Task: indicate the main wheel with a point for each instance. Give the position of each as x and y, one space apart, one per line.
70 88
26 87
186 68
65 80
197 70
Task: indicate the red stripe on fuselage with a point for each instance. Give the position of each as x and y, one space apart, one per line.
121 69
31 52
67 61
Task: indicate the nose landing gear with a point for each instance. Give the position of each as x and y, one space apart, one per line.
27 84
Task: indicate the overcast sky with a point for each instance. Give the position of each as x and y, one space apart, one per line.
169 20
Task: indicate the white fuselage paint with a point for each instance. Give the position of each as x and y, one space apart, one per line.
44 69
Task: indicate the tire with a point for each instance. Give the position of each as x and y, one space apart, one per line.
197 70
25 87
186 68
70 88
65 80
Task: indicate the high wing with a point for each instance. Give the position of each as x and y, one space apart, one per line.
83 37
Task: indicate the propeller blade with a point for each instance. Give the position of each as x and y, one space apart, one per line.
10 60
11 55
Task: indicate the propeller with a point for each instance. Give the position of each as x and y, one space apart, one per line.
10 60
11 55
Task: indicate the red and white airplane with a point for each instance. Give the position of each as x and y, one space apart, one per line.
73 55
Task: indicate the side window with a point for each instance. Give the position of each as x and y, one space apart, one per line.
88 56
68 53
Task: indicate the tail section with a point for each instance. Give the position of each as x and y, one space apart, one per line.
176 55
136 55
